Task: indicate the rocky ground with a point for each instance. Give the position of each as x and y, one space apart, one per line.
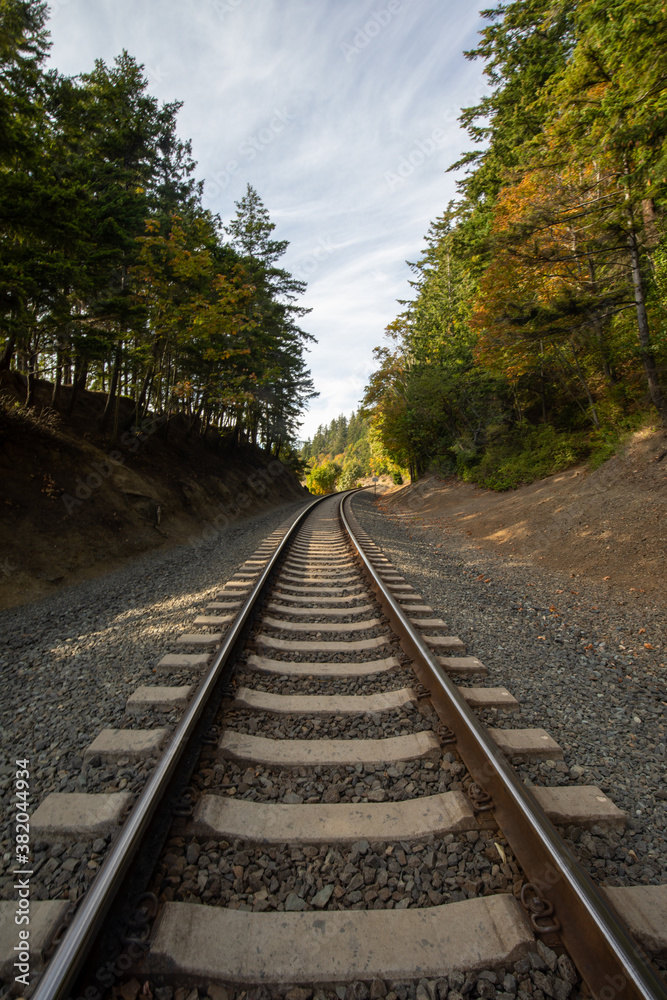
70 662
585 659
574 657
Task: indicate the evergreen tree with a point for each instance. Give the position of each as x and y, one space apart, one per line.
277 382
112 276
23 122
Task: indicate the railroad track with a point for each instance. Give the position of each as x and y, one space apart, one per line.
329 813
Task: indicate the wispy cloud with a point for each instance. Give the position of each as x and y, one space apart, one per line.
342 113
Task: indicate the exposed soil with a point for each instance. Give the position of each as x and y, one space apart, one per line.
608 525
73 504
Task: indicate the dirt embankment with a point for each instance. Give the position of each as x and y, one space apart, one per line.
73 505
608 525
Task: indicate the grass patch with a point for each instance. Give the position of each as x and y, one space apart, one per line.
15 418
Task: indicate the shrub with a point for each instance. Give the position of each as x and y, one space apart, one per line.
531 453
322 478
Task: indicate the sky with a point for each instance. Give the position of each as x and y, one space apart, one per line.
342 114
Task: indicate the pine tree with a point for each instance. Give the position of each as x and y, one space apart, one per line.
23 49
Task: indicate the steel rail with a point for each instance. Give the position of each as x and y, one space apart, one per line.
606 955
61 971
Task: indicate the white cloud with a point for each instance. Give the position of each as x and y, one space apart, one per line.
314 102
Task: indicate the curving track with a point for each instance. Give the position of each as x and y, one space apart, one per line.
339 807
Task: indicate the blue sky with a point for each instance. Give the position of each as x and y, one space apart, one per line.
341 113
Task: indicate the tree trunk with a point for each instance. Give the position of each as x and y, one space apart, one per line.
598 327
32 377
114 432
78 382
57 378
193 423
645 345
74 392
106 416
143 396
543 392
650 223
206 421
8 353
591 403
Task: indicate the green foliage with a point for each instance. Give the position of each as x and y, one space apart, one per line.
538 327
338 437
293 461
530 453
349 477
112 274
352 446
323 478
608 442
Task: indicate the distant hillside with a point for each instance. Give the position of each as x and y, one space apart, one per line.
343 453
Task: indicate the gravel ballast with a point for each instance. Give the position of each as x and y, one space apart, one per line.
158 601
385 680
363 876
369 726
359 783
70 662
562 648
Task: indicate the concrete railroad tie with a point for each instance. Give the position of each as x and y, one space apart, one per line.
211 944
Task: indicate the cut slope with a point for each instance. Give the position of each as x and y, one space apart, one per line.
610 524
72 505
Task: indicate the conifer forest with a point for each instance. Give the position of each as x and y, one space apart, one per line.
114 278
534 334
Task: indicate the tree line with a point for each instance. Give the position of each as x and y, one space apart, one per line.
537 328
334 438
114 278
342 452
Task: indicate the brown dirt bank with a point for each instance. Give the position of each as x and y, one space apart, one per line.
608 525
73 505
